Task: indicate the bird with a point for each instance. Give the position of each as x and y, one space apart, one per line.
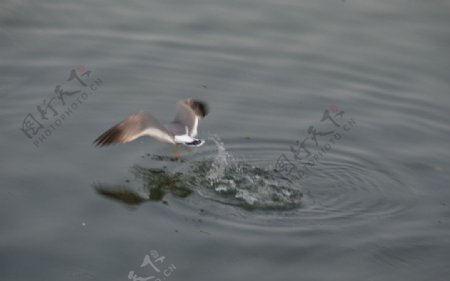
182 130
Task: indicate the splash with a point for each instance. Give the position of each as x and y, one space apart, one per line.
225 179
219 176
221 163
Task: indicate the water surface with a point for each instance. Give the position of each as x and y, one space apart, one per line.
261 199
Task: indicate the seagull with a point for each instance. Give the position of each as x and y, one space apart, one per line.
183 129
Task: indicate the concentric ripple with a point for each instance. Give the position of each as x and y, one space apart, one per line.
345 189
345 184
342 185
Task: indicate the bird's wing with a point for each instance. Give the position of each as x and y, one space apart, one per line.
186 117
133 127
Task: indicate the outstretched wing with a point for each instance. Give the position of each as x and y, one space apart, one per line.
133 127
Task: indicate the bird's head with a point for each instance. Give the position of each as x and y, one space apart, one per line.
200 108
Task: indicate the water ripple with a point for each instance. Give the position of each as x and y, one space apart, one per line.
338 190
345 185
252 192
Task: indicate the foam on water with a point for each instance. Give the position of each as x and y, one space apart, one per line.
228 180
218 176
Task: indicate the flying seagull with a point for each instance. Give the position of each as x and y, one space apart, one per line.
183 129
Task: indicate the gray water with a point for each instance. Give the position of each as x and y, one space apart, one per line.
261 200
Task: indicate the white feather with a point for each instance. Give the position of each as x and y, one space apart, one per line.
194 128
156 133
183 139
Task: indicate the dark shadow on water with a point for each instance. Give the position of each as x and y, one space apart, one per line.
217 177
156 184
157 157
119 193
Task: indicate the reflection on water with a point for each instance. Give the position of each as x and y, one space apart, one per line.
220 178
156 183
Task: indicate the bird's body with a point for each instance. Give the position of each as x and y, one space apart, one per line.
183 129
